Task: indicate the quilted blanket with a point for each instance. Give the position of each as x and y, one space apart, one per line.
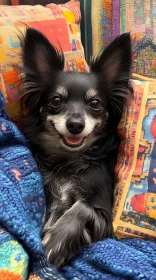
22 207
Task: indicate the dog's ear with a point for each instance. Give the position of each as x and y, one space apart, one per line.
39 56
114 64
113 70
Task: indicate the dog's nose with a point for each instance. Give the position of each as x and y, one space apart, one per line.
75 126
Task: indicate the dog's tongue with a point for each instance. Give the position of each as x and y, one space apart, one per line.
74 140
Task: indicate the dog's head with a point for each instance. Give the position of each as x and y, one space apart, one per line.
70 110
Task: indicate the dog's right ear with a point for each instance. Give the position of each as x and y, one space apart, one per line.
40 57
114 64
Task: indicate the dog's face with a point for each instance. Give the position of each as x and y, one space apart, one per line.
71 109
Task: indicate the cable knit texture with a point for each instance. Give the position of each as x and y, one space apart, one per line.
111 259
22 207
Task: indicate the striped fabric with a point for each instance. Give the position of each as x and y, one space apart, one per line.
103 20
100 23
86 27
98 26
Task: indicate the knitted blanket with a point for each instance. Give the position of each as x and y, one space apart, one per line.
22 206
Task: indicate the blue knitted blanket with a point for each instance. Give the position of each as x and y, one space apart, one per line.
22 206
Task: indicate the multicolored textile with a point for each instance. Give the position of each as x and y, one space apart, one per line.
139 18
22 206
13 260
22 199
103 20
60 23
32 2
100 24
135 193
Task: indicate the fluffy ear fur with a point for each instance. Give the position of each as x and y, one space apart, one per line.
114 64
41 63
113 69
40 57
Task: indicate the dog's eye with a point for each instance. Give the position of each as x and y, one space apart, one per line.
56 101
96 104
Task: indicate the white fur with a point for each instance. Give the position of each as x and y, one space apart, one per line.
62 91
90 124
91 93
65 190
59 122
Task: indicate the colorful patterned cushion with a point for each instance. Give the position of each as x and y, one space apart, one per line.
135 193
104 20
60 23
139 18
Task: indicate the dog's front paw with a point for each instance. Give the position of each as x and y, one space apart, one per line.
57 248
65 238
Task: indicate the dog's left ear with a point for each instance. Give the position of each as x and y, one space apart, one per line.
114 64
40 57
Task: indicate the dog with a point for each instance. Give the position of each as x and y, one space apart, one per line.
71 124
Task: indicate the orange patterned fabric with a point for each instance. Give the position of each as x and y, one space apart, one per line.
8 275
34 277
135 193
60 23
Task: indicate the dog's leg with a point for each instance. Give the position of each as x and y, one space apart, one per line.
62 241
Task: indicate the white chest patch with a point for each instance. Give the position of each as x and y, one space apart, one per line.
65 190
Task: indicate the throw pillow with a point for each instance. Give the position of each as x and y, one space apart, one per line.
135 192
59 23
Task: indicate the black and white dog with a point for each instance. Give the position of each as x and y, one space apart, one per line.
72 126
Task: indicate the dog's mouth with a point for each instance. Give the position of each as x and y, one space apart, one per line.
73 141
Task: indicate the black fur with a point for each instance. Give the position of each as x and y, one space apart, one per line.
78 179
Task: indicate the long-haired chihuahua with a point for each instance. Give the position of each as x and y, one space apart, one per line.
72 127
